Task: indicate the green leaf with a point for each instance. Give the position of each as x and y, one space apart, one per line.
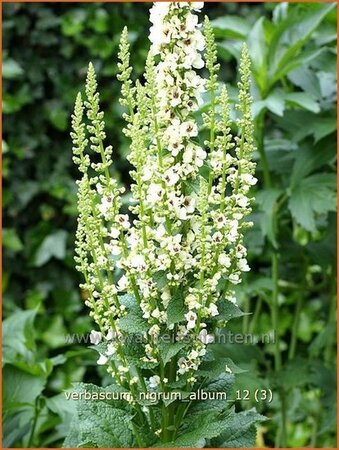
275 102
304 100
99 423
323 127
196 431
20 388
307 80
213 369
238 429
57 115
258 51
133 323
53 245
230 27
11 240
11 69
169 349
176 309
312 196
18 334
104 426
228 311
290 36
223 384
308 159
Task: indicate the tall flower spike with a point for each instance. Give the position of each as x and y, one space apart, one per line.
168 267
124 75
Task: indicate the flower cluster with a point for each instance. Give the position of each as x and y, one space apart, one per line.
180 250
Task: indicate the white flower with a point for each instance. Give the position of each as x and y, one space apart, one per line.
183 366
110 349
249 179
171 176
224 260
156 313
206 338
197 6
154 331
234 278
138 262
175 96
95 337
114 233
155 192
154 381
102 360
122 283
243 266
189 129
147 173
192 302
115 248
184 209
213 310
105 205
191 318
111 335
242 200
123 220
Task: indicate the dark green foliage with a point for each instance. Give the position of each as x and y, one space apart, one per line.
46 50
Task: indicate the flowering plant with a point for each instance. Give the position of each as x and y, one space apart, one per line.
160 279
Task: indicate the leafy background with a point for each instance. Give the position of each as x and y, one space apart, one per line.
46 49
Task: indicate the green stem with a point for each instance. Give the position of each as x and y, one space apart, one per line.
261 149
245 322
35 420
275 310
257 311
294 337
137 435
331 318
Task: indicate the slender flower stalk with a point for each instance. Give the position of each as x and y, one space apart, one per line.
167 265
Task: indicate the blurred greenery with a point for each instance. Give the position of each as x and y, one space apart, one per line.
46 50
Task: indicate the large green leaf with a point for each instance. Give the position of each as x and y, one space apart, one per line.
20 388
290 36
239 429
230 27
18 335
223 384
257 44
308 159
100 423
53 245
312 196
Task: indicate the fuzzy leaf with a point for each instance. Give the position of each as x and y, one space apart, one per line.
223 384
176 309
169 349
228 311
133 323
99 423
239 429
